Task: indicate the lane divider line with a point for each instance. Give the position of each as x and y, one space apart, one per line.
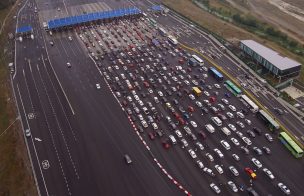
141 138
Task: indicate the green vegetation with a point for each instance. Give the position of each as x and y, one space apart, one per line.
223 10
287 98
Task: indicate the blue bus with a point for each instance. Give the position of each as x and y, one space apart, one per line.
216 74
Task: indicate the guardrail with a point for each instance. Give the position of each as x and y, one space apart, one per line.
283 128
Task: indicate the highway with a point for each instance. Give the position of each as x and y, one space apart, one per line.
84 134
79 134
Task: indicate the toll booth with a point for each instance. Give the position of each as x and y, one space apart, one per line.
24 31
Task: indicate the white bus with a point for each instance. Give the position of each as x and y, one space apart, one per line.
252 106
199 60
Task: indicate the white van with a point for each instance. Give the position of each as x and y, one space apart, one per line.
210 128
172 138
216 121
226 131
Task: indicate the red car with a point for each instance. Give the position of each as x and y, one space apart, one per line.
212 99
191 109
166 143
176 115
250 172
151 135
181 121
202 134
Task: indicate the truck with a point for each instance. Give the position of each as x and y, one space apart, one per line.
196 91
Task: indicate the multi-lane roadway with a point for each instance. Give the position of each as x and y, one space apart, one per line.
79 134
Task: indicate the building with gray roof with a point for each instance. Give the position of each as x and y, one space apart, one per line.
280 66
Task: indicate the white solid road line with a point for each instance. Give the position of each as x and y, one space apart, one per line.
58 124
25 139
16 40
52 137
66 97
48 57
74 135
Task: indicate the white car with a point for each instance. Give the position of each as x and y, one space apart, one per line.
199 145
240 124
268 173
192 153
234 171
232 108
187 82
129 98
248 121
215 188
210 157
193 124
240 114
199 104
225 101
284 188
160 93
235 141
184 142
217 86
247 140
178 133
154 125
225 144
144 123
191 97
98 86
207 93
230 115
70 38
195 82
236 157
219 153
232 127
156 100
256 162
232 186
219 169
200 164
27 132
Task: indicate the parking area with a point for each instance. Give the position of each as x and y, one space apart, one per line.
178 105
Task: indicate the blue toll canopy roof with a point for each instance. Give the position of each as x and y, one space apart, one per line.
24 29
74 20
157 8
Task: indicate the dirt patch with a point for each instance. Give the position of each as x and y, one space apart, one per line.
285 15
15 170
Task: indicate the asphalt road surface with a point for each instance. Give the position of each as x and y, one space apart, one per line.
79 134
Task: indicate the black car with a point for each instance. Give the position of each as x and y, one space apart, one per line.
140 129
175 101
257 130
